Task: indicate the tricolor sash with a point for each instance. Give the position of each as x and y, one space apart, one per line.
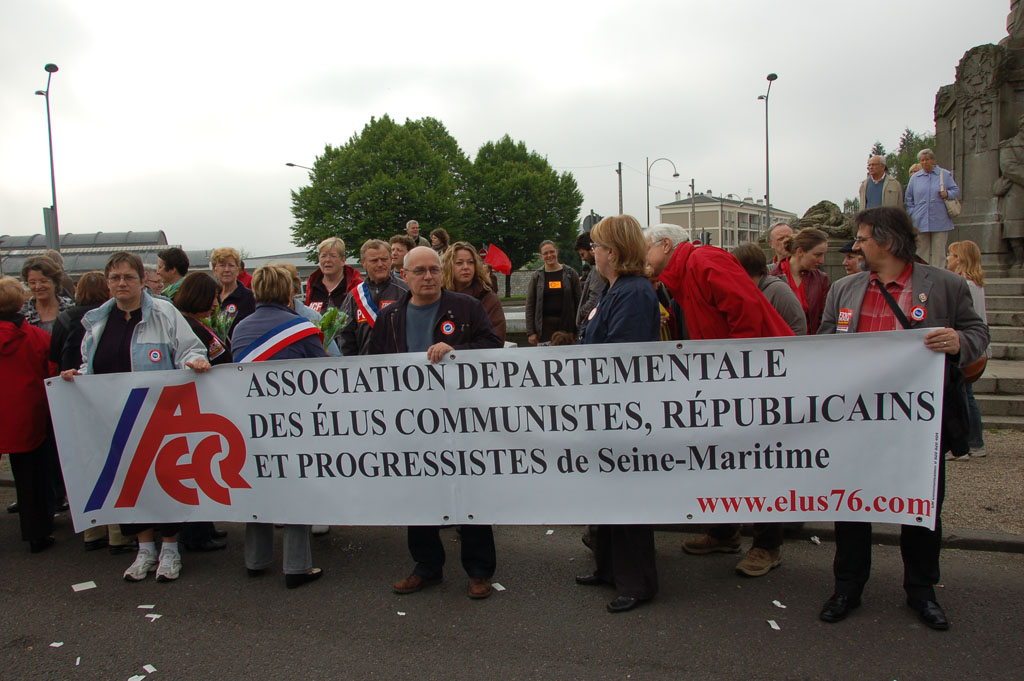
365 304
279 337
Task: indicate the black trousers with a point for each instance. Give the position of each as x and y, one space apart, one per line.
625 557
33 482
919 548
767 536
478 554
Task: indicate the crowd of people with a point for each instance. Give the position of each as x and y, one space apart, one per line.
433 297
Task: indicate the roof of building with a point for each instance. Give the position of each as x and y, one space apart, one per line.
90 239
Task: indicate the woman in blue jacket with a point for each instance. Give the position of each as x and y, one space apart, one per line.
626 312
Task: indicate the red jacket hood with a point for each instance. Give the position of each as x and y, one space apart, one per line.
717 297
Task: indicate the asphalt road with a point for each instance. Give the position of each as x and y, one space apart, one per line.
707 622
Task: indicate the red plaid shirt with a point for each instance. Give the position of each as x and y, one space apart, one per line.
875 313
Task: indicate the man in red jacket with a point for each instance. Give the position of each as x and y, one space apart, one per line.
718 300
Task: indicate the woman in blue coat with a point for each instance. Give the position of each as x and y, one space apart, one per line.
626 312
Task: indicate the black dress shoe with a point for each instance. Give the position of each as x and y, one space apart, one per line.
96 544
218 534
295 581
930 613
62 505
38 545
589 580
208 545
13 508
838 607
624 603
255 572
118 549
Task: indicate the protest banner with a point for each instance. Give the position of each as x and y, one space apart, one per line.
782 429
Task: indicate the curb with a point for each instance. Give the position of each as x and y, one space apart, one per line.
889 535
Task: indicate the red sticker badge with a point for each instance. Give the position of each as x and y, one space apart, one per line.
593 311
845 317
155 356
447 328
918 313
231 308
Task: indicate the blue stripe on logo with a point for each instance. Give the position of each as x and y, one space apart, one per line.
124 429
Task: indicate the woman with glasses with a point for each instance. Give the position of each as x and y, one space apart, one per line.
551 298
626 312
135 332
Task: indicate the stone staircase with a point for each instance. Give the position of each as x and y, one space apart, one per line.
1000 392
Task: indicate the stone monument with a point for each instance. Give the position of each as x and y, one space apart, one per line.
972 117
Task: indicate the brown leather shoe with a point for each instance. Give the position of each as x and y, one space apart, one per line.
480 588
412 584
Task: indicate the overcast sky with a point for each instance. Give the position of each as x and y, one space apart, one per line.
181 116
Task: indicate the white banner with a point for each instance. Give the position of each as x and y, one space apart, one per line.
786 429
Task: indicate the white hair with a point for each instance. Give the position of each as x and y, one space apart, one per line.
674 233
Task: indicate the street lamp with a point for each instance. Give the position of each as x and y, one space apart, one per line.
675 173
296 165
767 190
52 232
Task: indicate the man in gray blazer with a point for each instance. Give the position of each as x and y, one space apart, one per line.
927 297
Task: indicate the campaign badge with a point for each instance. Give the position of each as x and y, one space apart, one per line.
845 317
918 313
555 284
231 308
360 317
923 297
447 328
593 311
155 355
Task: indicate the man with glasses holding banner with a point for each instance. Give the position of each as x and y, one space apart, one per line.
895 293
431 320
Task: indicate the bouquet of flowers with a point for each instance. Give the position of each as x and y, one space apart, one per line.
331 323
220 322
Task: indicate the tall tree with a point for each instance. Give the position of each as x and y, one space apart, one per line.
383 176
877 149
911 143
520 200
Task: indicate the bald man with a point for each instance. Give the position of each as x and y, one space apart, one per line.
879 188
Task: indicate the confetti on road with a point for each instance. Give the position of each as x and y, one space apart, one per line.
815 540
153 617
778 605
57 644
550 532
498 587
78 660
83 586
137 677
773 625
146 607
149 668
401 614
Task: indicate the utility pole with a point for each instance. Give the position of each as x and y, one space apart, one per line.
619 172
693 208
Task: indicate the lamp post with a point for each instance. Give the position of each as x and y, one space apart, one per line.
50 219
296 165
767 190
675 173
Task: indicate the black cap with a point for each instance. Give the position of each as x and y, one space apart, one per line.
847 248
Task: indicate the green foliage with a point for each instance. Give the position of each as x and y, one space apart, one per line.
520 200
877 149
899 162
851 206
382 177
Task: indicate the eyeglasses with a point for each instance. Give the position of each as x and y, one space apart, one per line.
127 278
421 271
861 239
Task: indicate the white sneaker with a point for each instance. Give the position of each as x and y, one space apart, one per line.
979 452
962 457
320 530
170 566
145 562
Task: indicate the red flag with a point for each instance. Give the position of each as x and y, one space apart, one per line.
497 259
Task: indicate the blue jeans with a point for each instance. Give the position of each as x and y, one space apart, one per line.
975 439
